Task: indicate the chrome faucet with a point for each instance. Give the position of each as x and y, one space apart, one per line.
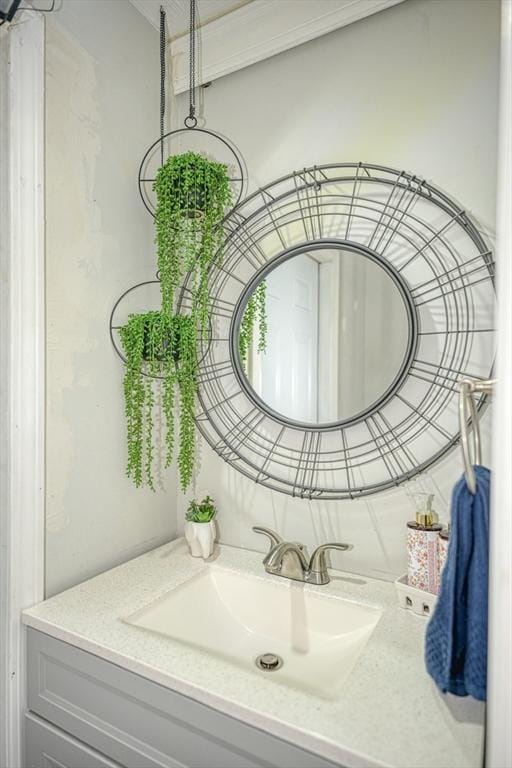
290 559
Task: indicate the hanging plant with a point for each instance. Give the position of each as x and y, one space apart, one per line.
164 347
192 196
255 311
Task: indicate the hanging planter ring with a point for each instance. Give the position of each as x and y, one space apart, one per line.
115 325
162 343
160 150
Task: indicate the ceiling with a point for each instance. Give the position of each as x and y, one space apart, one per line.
178 12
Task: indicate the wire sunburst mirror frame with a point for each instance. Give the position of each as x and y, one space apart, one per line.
432 249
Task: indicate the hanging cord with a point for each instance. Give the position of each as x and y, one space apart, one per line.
162 82
191 119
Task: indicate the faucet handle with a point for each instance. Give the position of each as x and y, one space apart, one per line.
274 537
318 573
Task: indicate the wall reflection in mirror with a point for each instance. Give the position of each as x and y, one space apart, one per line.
325 336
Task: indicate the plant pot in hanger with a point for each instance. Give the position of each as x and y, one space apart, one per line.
158 353
192 202
178 325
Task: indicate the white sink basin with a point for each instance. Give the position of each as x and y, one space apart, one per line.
239 617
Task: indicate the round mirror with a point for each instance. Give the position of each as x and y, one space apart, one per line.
409 315
324 335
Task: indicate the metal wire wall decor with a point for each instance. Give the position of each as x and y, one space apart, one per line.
431 248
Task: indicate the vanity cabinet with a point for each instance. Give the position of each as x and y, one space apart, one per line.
49 747
86 712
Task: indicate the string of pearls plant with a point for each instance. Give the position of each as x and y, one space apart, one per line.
193 194
255 313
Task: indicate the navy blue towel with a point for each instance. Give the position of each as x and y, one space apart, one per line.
456 640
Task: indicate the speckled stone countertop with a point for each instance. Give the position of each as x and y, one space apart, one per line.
389 713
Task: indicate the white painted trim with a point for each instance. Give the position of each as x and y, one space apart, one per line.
499 710
262 29
150 11
22 405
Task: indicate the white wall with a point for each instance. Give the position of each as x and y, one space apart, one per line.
413 87
102 107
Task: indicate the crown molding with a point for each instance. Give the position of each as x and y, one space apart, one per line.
148 10
264 28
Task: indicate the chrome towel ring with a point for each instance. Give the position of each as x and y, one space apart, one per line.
469 426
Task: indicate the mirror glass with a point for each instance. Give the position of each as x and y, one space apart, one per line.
324 336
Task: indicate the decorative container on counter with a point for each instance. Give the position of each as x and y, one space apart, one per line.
200 538
417 600
200 528
442 544
423 549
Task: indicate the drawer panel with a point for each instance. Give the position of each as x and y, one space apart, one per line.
49 747
140 724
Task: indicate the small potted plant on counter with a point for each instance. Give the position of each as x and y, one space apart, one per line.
200 527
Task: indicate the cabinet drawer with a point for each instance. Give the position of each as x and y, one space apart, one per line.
140 724
49 747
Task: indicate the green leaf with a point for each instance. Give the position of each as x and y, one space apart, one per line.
256 309
201 512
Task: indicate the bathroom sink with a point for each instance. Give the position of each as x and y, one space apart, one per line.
318 638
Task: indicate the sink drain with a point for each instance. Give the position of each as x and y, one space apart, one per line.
269 662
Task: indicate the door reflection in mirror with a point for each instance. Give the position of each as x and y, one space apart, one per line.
336 339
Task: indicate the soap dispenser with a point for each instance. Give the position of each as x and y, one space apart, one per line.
422 546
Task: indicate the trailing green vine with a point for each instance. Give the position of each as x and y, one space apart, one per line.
158 346
186 349
261 304
192 196
255 311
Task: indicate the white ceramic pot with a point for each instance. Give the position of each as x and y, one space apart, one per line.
200 538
